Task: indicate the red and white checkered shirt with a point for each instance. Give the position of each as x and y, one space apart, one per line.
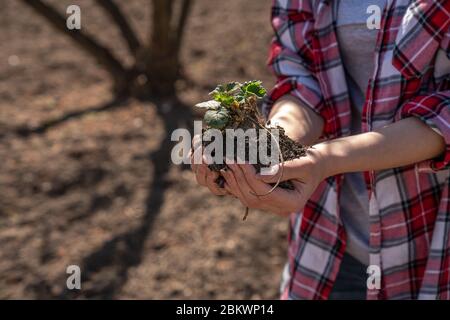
409 206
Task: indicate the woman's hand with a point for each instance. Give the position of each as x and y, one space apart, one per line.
300 123
205 177
251 188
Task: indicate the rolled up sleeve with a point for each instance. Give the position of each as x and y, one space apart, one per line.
291 57
434 110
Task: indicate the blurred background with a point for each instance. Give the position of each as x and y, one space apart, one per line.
85 174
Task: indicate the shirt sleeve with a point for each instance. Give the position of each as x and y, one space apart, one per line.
434 110
291 58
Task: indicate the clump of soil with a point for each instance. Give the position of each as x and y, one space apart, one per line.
234 106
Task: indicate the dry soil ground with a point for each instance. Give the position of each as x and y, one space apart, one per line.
80 192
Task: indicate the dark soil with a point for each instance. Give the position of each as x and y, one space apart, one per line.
77 175
248 117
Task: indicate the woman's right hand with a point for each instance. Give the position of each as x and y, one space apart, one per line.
205 177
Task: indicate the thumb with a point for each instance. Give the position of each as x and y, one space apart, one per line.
288 171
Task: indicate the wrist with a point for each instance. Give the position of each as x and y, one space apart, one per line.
327 157
301 123
317 155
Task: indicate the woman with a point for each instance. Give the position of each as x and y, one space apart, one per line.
376 184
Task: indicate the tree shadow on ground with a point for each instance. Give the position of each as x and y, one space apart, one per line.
25 131
105 270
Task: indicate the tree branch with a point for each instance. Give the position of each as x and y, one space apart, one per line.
122 23
101 53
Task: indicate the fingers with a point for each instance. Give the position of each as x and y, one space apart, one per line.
258 187
249 186
230 190
241 181
288 170
196 152
274 200
201 171
204 176
196 141
200 174
211 178
226 186
193 164
233 187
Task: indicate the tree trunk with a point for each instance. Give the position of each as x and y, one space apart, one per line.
162 60
157 64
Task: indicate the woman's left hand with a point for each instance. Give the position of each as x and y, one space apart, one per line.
251 188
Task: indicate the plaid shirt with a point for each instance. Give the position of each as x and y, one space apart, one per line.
409 206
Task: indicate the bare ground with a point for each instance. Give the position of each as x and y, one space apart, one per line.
80 189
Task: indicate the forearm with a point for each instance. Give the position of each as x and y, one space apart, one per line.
300 122
403 143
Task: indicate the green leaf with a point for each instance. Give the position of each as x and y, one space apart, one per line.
218 90
254 87
232 86
224 98
225 93
211 104
217 119
234 92
240 98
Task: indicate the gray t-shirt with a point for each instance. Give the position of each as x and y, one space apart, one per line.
357 47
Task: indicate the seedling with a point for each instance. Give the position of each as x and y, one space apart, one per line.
235 106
